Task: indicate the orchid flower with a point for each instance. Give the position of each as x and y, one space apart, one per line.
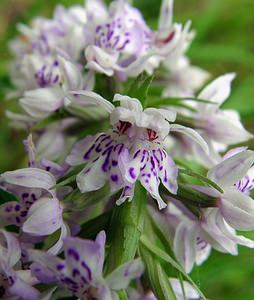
50 36
53 81
235 210
220 128
82 270
120 42
235 176
194 238
13 281
132 150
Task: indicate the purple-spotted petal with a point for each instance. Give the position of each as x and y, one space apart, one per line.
85 257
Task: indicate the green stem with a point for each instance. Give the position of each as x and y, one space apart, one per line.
125 229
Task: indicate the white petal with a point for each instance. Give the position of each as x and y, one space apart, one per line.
44 217
57 247
40 103
94 99
238 209
31 178
229 171
190 292
76 157
10 252
166 14
219 90
92 178
191 133
185 244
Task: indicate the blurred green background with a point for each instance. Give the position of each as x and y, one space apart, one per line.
224 43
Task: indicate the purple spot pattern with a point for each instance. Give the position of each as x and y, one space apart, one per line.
48 75
245 185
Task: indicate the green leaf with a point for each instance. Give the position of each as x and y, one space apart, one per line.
158 278
76 200
164 256
139 88
126 228
122 295
91 228
202 178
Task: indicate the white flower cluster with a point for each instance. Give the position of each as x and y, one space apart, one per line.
85 143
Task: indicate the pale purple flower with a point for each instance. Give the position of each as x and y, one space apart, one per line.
235 176
50 86
51 36
120 43
14 281
132 150
82 270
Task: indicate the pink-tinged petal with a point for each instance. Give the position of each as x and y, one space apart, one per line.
229 171
185 244
40 103
189 291
237 209
85 256
218 90
121 277
192 134
10 250
31 178
166 14
44 217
